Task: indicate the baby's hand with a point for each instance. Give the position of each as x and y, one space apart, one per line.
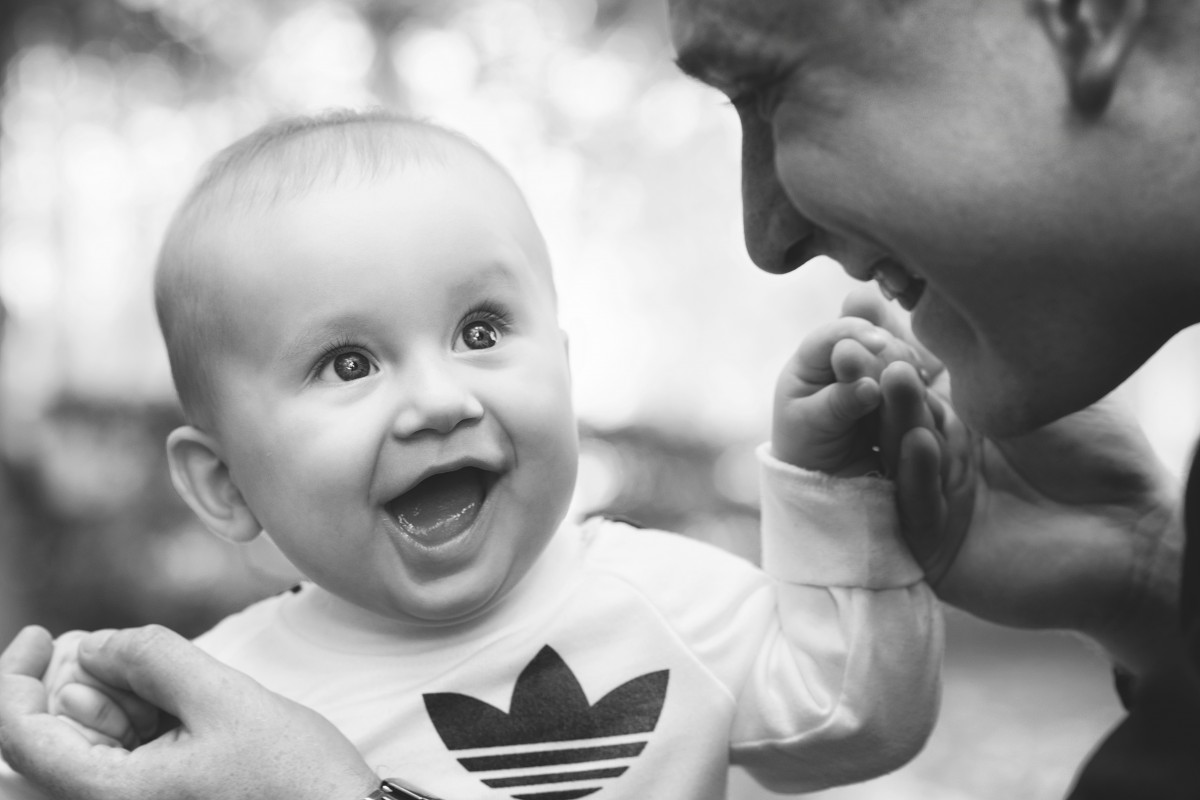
828 396
102 715
933 459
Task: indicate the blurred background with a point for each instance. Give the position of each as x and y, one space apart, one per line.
108 109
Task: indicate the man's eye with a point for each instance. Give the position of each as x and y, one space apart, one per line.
348 366
480 335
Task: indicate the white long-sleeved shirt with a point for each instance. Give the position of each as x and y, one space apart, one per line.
636 662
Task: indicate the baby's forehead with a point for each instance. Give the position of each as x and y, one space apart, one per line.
468 208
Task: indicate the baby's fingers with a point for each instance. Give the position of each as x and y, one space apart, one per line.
97 716
919 499
90 735
866 302
812 364
813 432
852 361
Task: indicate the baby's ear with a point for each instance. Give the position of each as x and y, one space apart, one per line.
202 479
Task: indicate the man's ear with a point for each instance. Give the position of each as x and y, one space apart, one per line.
1093 38
202 479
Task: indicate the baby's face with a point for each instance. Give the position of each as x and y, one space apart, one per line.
395 397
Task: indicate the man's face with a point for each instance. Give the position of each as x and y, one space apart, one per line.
929 145
394 397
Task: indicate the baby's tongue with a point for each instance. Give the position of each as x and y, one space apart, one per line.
440 507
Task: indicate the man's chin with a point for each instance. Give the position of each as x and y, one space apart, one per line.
1001 409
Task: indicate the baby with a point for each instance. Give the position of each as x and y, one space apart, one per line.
362 328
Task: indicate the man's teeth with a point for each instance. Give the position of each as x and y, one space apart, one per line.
893 279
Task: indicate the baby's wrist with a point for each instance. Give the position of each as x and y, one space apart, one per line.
869 464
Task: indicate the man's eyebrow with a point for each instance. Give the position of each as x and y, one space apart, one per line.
703 63
689 66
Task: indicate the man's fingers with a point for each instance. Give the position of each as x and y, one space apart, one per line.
904 408
157 665
28 654
957 464
48 750
22 693
935 484
919 499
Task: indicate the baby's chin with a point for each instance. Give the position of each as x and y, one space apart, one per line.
440 608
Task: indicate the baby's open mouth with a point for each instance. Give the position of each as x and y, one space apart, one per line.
441 507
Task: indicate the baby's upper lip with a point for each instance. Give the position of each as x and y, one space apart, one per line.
491 468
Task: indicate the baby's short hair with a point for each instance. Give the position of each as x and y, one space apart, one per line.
276 163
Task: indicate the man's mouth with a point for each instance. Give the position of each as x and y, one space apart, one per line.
897 283
441 507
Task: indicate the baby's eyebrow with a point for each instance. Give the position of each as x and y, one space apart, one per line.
316 337
494 273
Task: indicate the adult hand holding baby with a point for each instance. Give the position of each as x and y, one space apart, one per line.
1031 530
234 736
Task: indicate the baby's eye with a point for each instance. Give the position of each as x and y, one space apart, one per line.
480 335
350 365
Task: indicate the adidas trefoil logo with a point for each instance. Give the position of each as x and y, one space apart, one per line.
551 745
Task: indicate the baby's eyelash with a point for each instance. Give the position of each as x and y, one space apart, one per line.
332 351
489 311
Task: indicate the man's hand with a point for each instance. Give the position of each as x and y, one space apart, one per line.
235 739
103 715
1073 526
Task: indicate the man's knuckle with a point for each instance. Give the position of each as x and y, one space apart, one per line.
146 638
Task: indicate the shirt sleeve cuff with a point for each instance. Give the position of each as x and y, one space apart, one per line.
825 531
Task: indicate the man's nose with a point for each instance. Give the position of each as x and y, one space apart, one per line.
435 397
778 238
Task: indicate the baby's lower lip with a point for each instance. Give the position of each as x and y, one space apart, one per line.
440 508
